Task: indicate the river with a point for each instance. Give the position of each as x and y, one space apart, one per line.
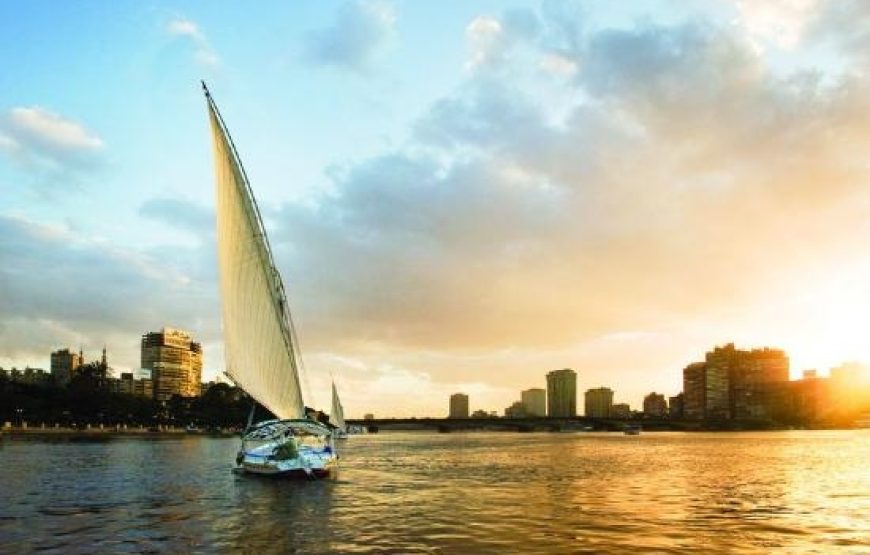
801 491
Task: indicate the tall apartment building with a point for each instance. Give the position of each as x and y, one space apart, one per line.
175 361
705 390
534 401
64 365
734 383
655 405
758 377
562 393
598 402
459 405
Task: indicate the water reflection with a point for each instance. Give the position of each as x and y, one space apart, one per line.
585 492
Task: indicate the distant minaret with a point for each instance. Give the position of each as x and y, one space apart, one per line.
104 361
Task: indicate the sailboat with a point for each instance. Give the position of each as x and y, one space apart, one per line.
336 416
261 349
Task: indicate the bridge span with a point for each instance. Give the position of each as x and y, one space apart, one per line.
528 424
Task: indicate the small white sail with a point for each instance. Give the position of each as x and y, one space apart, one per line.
258 334
336 416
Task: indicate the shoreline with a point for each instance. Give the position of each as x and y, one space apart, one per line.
106 433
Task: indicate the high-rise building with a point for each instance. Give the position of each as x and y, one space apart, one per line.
705 391
126 383
655 406
734 383
459 405
516 410
598 402
675 406
534 401
562 393
718 369
811 400
144 388
620 410
755 378
64 365
175 361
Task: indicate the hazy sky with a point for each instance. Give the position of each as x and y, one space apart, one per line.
461 196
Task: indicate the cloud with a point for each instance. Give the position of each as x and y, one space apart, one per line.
50 147
203 53
688 183
180 213
185 28
51 130
778 22
359 34
60 288
558 65
845 26
686 195
485 39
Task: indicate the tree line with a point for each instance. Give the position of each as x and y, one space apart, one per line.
88 400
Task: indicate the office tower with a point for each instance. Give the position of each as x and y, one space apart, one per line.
598 402
64 365
175 361
534 401
562 393
459 405
655 405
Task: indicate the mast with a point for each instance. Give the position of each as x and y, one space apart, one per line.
260 345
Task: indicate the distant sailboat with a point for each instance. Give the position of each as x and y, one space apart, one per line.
259 339
336 416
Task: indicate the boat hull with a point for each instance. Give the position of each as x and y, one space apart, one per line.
288 448
292 474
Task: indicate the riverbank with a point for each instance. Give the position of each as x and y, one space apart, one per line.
106 432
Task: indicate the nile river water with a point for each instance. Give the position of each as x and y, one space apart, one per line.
791 492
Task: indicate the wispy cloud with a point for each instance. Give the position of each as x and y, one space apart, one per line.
485 41
203 53
360 32
777 22
59 286
179 213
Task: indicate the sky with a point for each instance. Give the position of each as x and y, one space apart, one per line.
461 196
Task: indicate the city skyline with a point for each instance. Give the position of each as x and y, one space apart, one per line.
610 188
731 384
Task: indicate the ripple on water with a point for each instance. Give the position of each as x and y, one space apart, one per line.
455 493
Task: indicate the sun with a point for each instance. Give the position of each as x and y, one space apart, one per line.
832 323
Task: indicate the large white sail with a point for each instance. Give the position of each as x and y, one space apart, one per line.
336 416
260 353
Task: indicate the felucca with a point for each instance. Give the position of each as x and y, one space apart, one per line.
262 353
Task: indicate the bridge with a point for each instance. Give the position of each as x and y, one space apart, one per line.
529 424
